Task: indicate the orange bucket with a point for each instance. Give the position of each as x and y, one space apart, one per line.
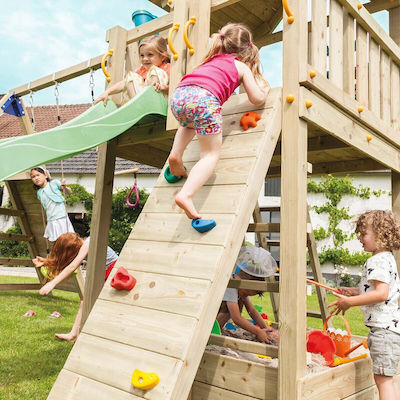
342 342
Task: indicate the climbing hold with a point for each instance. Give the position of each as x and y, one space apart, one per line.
203 225
313 74
122 280
290 98
308 103
144 380
290 19
171 178
360 109
369 138
216 330
359 6
248 119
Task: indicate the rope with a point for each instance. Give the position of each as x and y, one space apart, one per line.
91 83
32 111
134 189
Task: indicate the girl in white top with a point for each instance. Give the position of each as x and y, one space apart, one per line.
49 192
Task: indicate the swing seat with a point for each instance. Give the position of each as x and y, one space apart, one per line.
203 225
122 280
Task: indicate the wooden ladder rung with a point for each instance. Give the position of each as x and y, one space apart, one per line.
263 286
270 208
264 227
273 242
314 314
16 261
18 238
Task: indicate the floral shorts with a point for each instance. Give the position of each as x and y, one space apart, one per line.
193 104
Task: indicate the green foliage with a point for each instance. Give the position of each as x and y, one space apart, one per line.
80 195
334 189
13 248
123 217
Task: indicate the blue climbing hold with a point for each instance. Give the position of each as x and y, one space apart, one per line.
171 178
203 225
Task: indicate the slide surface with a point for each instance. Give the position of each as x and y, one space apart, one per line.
93 127
163 324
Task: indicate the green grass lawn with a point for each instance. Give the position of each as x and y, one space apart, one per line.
30 356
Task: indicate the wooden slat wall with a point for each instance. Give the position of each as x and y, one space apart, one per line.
318 36
336 43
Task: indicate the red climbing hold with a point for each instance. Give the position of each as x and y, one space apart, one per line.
122 280
248 119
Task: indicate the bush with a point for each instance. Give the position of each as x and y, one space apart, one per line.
13 248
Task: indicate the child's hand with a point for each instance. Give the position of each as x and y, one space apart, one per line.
346 291
262 336
159 87
104 97
38 262
46 289
342 304
63 182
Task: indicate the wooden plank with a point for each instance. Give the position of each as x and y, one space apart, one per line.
374 86
244 345
11 212
113 363
395 96
361 66
385 88
395 177
170 333
336 43
181 259
263 227
238 104
318 36
202 391
344 381
20 286
230 373
61 76
18 238
179 295
254 285
347 166
331 120
379 5
343 101
100 225
16 261
24 121
210 199
348 54
292 312
77 387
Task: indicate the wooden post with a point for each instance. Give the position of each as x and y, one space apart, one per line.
292 299
116 37
100 225
25 122
394 31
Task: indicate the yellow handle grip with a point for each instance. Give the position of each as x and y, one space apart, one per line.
191 21
103 64
171 47
290 19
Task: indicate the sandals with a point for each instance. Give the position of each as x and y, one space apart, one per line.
55 314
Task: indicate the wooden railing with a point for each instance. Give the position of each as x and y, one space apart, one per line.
356 65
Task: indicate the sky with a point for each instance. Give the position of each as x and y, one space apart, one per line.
45 36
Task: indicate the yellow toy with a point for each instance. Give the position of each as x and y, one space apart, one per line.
144 380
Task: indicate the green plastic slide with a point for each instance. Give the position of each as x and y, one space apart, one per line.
93 127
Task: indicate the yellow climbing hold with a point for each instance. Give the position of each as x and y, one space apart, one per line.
144 380
359 6
360 109
308 103
290 19
290 98
369 138
313 74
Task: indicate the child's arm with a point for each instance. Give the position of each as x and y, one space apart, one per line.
245 324
379 294
349 291
66 189
256 95
255 315
113 89
155 81
67 271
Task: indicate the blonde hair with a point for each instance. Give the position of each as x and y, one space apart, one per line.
158 44
385 226
63 252
235 38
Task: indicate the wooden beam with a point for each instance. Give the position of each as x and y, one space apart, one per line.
263 227
292 303
11 212
18 238
396 207
262 286
150 28
379 5
16 261
20 286
100 226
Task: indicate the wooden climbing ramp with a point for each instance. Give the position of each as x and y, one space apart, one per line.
163 324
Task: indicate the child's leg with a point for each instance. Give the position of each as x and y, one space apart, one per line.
386 387
210 147
183 137
71 336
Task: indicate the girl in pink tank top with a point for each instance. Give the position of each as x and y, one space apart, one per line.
196 103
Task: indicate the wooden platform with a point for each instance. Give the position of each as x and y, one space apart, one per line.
164 323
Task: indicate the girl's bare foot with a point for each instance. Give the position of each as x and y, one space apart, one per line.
186 204
69 337
176 166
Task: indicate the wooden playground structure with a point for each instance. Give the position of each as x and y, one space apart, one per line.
338 111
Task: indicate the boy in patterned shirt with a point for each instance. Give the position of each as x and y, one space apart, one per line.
378 295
